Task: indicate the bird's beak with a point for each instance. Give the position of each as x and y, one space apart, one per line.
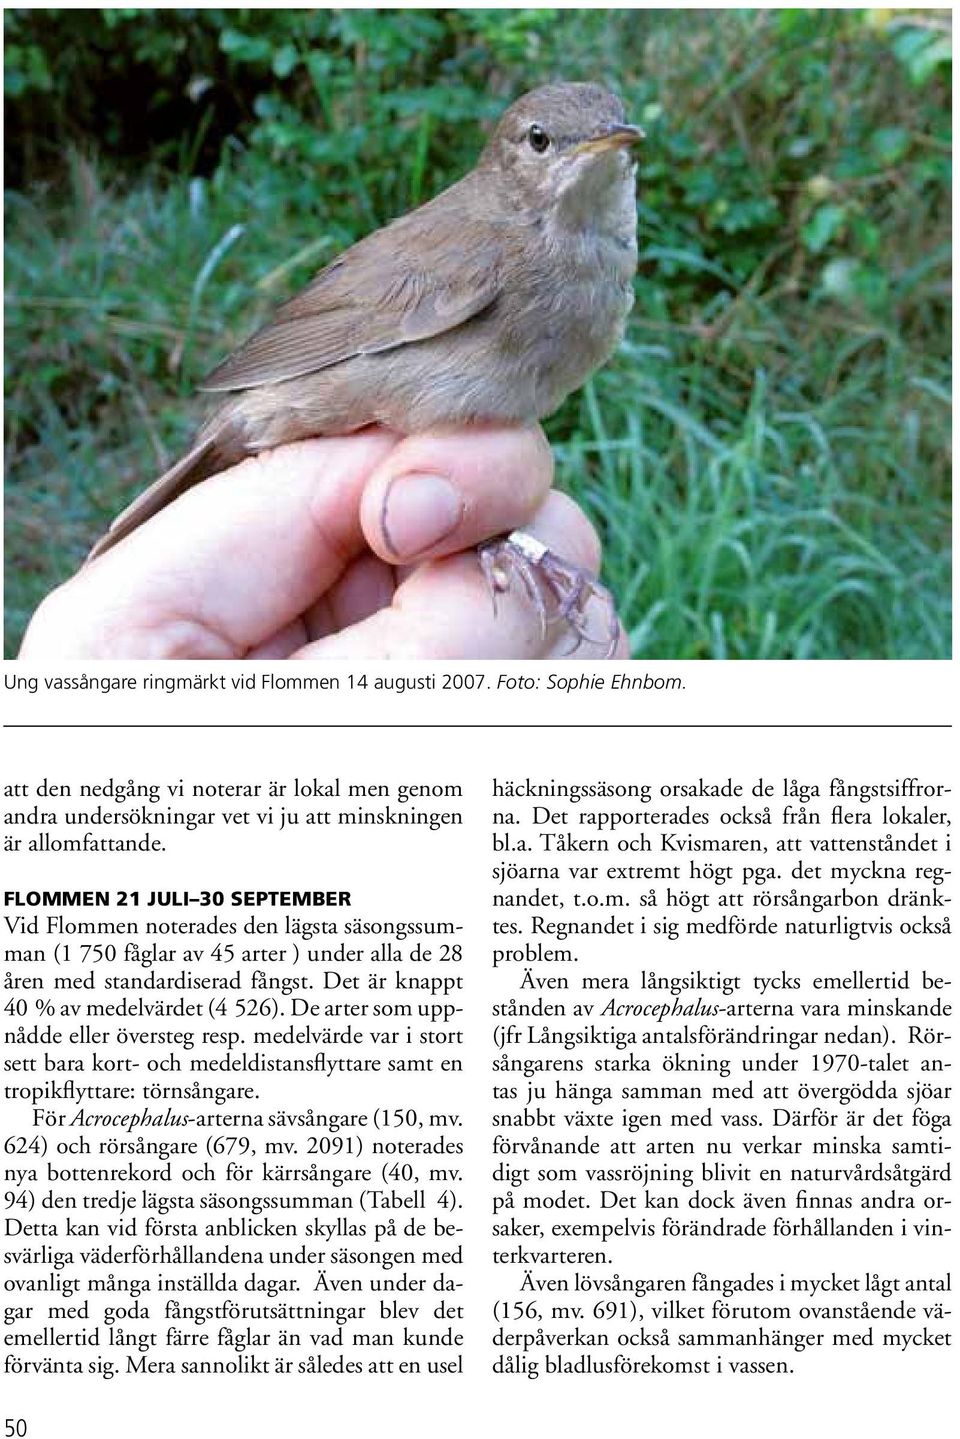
615 137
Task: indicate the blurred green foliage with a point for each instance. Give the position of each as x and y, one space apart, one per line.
793 291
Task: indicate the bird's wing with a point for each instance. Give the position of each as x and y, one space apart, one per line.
426 273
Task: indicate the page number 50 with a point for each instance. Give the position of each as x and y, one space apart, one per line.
14 1428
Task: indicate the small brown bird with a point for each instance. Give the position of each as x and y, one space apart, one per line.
491 302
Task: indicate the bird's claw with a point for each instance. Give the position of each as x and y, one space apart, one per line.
560 592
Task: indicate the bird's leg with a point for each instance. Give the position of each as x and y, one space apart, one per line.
500 561
545 576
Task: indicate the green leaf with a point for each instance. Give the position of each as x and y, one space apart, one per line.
855 283
921 53
908 42
826 222
938 52
249 48
285 61
320 66
889 144
866 234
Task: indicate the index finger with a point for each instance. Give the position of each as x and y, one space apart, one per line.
243 553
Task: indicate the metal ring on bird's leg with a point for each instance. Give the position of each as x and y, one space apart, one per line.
545 575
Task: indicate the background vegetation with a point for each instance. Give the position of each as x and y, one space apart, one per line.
767 458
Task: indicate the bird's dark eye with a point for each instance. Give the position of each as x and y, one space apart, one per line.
538 139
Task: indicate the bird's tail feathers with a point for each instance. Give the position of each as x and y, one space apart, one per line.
197 464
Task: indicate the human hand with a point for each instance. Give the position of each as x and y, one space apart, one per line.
343 548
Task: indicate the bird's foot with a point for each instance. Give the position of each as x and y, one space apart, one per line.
559 592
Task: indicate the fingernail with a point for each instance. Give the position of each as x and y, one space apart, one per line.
418 512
